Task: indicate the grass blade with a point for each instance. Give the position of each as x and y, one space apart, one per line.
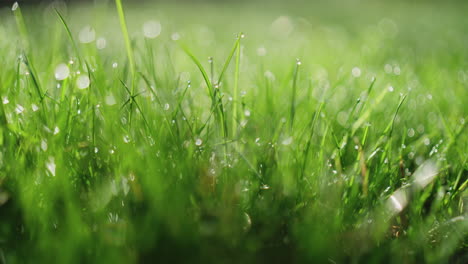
128 44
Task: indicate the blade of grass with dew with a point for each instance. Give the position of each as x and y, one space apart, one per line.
128 44
70 36
293 93
235 90
21 26
216 101
129 49
309 140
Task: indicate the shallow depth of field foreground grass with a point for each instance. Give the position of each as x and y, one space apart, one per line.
322 133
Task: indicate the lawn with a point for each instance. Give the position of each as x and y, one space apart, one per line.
234 132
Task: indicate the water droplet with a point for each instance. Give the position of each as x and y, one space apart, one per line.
110 99
175 36
427 141
388 28
261 51
342 118
247 113
113 218
247 222
115 65
287 141
264 187
390 88
50 165
96 150
434 150
166 106
421 129
397 201
356 72
151 141
126 139
56 130
269 75
44 145
281 27
151 29
243 123
411 132
15 6
425 174
62 72
396 70
298 62
87 34
5 100
101 43
198 142
82 82
388 68
19 109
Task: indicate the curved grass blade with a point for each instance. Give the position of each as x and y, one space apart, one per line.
128 44
206 78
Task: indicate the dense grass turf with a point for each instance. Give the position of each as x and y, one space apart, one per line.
327 133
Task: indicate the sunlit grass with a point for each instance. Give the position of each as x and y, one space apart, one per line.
160 133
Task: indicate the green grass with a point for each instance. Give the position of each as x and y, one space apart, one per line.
207 145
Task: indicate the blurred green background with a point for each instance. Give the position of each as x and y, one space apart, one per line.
85 186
